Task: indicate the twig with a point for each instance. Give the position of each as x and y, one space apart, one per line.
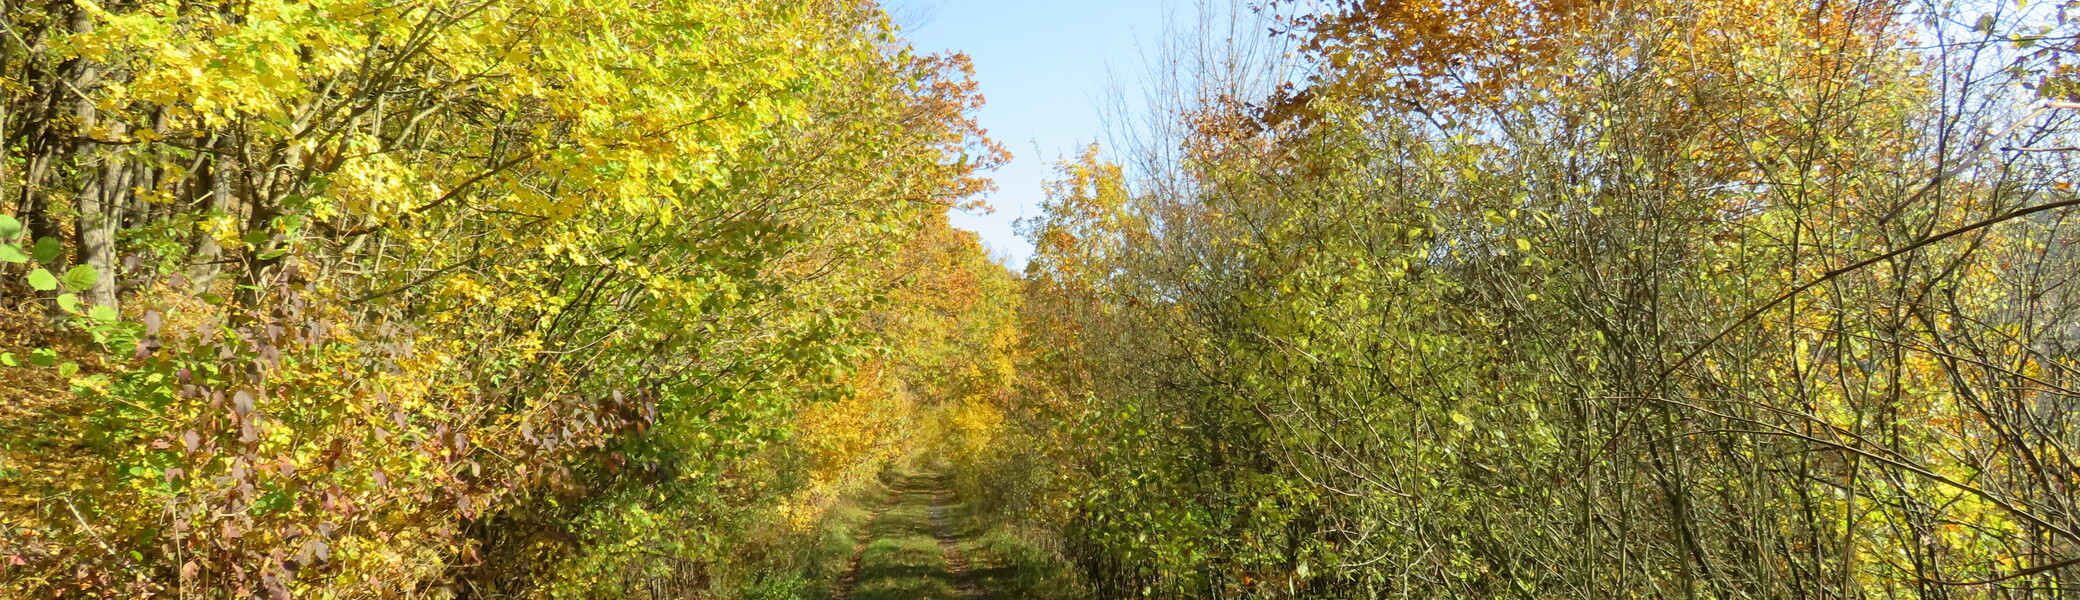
1831 275
415 283
84 526
2016 575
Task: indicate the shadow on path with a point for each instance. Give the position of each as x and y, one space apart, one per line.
912 552
925 543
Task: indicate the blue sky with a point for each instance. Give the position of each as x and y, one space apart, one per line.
1044 66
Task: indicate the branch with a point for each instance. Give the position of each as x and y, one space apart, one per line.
415 283
2016 575
467 183
1831 275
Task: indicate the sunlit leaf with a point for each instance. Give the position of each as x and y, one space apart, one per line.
80 278
42 280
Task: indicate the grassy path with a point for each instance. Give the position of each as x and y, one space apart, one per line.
950 545
908 548
924 543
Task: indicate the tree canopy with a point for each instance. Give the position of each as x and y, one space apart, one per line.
1391 298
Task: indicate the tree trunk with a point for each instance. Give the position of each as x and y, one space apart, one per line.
40 138
100 193
208 259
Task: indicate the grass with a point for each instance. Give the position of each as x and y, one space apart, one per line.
905 560
903 557
1006 565
902 567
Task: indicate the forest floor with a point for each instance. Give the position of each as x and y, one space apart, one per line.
925 543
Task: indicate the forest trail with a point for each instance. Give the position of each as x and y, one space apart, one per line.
950 542
914 547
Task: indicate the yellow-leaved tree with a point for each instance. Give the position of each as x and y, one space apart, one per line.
353 298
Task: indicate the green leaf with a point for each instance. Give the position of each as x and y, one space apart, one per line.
12 253
9 227
68 303
103 313
68 369
42 280
81 277
8 359
43 357
48 250
273 501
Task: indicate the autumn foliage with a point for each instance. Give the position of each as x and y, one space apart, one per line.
1720 299
439 299
1389 299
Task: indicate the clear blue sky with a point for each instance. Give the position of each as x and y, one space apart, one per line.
1044 66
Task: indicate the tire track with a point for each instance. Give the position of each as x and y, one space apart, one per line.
949 543
850 582
926 502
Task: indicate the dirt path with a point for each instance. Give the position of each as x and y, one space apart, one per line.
913 548
851 580
949 545
923 542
